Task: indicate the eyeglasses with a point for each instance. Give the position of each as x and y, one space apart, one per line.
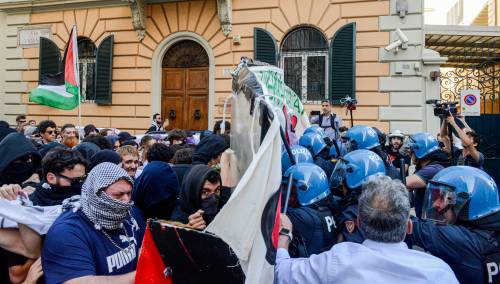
75 180
50 132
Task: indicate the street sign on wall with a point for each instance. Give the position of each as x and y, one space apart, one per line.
470 102
30 36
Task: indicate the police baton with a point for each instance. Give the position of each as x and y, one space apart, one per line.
288 191
292 160
402 170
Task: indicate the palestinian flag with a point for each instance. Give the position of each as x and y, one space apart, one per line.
66 95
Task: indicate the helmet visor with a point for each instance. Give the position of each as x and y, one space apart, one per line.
352 145
338 174
409 146
440 204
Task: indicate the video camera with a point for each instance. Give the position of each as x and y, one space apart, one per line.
349 102
443 109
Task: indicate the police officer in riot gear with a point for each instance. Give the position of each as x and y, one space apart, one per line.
337 152
315 129
394 150
462 223
350 173
300 154
311 210
429 159
365 137
320 151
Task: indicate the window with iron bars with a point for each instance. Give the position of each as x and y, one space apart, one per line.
304 59
87 52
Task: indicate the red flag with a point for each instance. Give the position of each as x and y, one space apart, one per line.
276 227
150 268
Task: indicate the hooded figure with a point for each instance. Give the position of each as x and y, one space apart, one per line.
104 156
210 147
19 161
190 200
45 148
155 191
4 131
87 149
112 139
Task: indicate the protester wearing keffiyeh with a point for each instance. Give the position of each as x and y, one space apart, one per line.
102 210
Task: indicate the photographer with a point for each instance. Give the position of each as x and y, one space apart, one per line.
328 121
469 156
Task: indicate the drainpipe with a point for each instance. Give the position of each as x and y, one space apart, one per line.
432 61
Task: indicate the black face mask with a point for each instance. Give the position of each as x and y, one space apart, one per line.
210 206
52 194
16 173
73 189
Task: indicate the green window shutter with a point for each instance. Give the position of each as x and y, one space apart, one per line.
104 71
49 59
265 48
343 64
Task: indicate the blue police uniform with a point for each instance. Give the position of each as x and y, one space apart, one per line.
325 165
348 225
314 228
462 248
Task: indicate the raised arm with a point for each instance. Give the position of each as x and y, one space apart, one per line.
443 135
32 241
10 239
467 142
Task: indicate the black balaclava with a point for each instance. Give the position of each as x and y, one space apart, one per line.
14 149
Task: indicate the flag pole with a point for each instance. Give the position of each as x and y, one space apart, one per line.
79 114
77 78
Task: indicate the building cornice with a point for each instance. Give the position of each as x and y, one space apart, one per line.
26 6
23 6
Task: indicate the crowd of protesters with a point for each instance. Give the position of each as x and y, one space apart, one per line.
167 176
349 221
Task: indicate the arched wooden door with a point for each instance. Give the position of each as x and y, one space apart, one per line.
185 86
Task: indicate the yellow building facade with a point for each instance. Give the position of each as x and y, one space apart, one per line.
139 84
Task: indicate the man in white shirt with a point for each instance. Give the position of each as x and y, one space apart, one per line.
384 212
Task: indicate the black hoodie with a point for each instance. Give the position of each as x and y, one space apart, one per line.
189 200
13 147
156 190
4 131
209 147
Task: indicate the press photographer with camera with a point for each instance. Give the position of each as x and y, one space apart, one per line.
469 155
328 121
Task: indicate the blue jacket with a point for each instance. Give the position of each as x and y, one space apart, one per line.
315 227
462 248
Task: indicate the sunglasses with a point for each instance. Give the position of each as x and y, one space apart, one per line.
50 132
74 181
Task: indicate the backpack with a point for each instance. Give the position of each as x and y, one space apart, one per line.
332 121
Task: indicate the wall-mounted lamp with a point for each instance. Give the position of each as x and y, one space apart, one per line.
237 39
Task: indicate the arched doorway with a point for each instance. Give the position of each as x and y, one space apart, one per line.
185 86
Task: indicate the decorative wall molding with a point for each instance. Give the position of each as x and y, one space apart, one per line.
225 10
138 17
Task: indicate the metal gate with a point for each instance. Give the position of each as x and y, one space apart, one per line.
484 76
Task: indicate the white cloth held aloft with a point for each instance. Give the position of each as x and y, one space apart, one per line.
239 221
38 218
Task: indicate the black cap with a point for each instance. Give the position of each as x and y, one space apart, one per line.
124 136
